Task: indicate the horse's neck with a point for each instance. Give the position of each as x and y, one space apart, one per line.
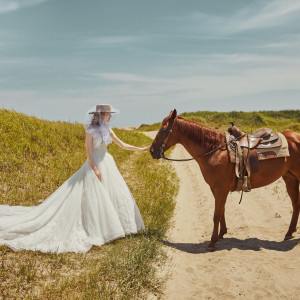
191 141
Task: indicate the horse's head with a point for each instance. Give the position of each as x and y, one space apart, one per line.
164 138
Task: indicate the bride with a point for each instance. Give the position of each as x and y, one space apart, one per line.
94 206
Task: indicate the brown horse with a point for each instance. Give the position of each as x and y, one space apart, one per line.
219 173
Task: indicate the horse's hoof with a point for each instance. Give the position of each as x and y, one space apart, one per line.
211 249
288 237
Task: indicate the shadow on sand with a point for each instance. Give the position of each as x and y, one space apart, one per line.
234 243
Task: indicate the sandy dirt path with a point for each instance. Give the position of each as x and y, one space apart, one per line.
252 262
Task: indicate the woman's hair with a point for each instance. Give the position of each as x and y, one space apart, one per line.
97 117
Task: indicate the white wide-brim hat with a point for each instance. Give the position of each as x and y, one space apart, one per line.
96 110
104 108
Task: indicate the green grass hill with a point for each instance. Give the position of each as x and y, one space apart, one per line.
246 121
36 157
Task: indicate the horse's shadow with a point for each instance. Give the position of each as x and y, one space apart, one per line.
228 244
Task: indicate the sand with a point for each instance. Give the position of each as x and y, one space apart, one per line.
251 262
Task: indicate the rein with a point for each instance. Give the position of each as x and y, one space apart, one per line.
162 154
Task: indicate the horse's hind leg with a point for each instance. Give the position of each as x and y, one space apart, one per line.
292 187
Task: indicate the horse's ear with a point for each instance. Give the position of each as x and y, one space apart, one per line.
174 114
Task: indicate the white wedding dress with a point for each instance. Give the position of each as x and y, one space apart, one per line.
82 212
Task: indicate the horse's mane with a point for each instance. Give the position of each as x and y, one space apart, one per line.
208 137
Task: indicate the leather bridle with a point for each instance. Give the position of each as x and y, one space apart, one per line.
162 154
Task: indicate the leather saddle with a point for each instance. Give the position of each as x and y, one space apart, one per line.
246 149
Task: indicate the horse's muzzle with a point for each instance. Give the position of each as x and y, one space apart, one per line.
154 154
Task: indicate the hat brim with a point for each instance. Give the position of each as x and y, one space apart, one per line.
97 112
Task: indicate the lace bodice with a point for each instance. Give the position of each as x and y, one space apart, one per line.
101 136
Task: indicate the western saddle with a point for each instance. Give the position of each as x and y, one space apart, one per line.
247 151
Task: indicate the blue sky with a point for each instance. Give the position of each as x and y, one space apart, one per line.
58 57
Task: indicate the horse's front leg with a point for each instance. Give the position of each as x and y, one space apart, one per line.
223 229
220 200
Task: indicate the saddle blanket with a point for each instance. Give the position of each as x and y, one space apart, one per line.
262 153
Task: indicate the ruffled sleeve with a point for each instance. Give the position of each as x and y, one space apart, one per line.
101 135
91 129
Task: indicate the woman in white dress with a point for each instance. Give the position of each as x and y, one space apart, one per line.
93 207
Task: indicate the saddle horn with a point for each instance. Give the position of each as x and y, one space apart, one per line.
233 130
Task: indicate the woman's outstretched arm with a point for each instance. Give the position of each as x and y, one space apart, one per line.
89 151
125 146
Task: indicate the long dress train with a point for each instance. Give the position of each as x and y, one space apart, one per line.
82 212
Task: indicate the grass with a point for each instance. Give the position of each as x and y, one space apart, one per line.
36 157
246 121
147 127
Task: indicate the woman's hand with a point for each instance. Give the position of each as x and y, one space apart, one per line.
144 149
125 146
98 174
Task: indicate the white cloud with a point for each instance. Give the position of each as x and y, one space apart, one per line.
252 74
108 41
7 6
247 58
127 77
8 96
291 44
263 14
273 14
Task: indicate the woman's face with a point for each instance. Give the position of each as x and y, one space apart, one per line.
106 117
